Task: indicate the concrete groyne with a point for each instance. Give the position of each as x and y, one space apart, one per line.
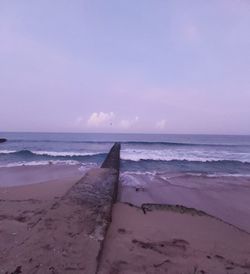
113 158
69 237
112 161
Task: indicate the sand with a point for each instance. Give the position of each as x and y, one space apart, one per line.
23 204
58 233
34 219
224 197
25 175
168 240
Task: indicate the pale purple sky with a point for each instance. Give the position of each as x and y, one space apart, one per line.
125 66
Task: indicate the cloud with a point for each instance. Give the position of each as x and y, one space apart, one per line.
161 124
126 124
97 119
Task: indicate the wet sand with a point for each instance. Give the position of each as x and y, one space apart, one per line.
25 175
224 197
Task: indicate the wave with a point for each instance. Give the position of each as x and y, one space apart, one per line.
174 161
137 155
62 153
7 151
130 155
182 144
40 163
51 153
53 162
142 179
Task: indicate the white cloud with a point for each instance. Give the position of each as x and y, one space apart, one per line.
161 124
97 119
126 124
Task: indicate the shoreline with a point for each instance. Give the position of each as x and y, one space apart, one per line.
26 175
226 198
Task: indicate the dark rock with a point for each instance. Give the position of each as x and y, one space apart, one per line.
2 140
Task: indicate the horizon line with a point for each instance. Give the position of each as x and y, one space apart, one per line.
127 133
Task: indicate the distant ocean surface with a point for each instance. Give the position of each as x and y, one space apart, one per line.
141 153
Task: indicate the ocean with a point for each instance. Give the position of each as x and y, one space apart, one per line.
149 154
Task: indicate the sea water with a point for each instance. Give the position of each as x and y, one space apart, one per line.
210 155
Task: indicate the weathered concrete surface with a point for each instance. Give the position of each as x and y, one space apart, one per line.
113 158
68 238
113 161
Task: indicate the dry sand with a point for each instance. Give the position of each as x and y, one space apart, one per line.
23 206
172 240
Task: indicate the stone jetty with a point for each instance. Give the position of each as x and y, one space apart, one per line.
69 237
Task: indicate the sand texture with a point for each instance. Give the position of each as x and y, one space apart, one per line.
224 197
61 224
60 235
173 240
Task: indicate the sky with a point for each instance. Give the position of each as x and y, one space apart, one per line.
144 66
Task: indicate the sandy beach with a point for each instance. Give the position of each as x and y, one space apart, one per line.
142 237
24 203
225 197
173 240
55 226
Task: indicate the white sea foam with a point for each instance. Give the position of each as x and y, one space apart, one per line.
64 153
130 180
150 173
136 178
227 175
41 163
85 167
180 155
7 151
141 178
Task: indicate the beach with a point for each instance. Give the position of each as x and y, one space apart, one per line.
179 205
148 232
124 137
28 196
172 240
226 197
55 226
